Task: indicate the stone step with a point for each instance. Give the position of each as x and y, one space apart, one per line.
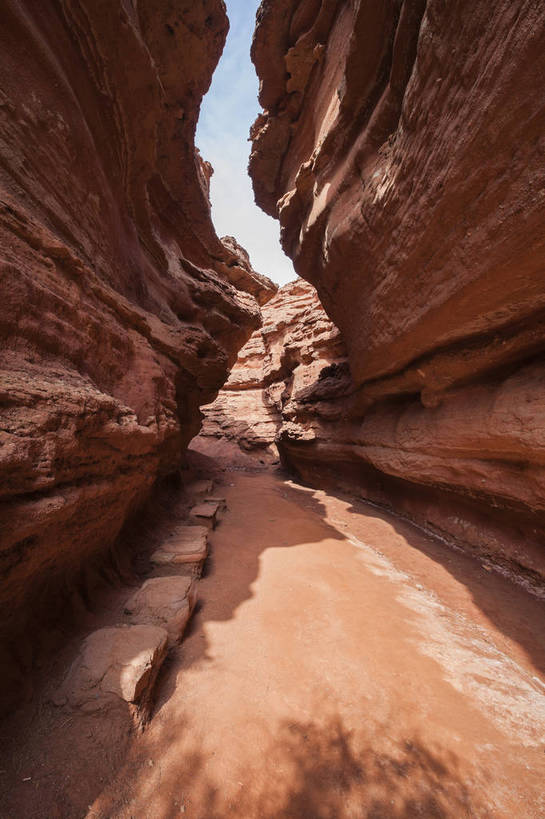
200 487
114 666
183 550
167 602
208 512
215 499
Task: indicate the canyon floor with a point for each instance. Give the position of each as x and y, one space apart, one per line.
340 663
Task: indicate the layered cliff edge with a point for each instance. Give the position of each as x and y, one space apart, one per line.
401 147
121 311
287 371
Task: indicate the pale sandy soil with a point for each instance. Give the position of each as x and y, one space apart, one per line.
341 664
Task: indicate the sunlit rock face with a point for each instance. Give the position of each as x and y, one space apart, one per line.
120 309
243 275
402 149
281 383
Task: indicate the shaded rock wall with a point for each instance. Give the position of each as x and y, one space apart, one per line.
119 313
402 149
287 370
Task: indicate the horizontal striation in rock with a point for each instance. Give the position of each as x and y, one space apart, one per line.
121 311
281 372
402 149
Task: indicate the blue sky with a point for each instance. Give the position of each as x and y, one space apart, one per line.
227 112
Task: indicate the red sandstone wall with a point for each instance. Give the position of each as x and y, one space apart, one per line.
118 315
282 372
402 149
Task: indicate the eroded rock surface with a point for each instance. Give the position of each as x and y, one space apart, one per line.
121 311
185 545
166 602
116 665
287 370
402 149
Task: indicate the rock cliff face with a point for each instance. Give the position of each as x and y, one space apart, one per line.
287 370
121 311
402 148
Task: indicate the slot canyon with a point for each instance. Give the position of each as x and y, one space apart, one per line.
273 549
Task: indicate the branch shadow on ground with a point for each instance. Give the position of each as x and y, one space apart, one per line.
54 735
311 770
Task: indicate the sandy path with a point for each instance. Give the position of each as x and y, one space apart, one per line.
342 665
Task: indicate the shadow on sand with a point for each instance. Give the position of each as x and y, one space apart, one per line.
316 769
312 771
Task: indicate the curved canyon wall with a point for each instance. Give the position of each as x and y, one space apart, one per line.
287 370
402 148
121 311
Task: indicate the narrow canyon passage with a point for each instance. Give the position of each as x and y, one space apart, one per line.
272 552
342 664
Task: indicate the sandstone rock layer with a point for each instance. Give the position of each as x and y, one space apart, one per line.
166 602
402 148
288 369
120 309
116 665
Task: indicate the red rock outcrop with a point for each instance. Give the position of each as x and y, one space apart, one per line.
121 311
285 371
243 275
402 148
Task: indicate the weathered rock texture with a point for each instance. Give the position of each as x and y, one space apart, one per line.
114 666
166 602
402 148
287 370
119 313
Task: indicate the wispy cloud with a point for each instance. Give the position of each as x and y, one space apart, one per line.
227 112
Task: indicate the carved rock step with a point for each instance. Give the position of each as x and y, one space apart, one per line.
208 512
116 665
201 487
185 548
163 601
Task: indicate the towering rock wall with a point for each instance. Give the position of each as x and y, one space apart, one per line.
118 312
287 370
402 148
